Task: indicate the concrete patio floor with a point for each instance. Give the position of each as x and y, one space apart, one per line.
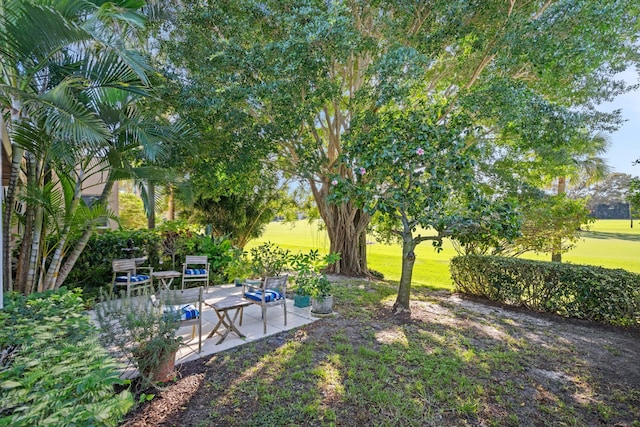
252 325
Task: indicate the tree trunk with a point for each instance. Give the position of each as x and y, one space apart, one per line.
408 260
12 188
21 283
347 229
556 254
79 246
151 215
22 268
9 207
171 207
36 251
53 271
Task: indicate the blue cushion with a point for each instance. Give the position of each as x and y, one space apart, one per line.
134 278
189 312
184 312
269 295
195 271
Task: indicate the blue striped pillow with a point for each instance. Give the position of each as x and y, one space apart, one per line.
134 278
269 295
189 312
186 312
195 271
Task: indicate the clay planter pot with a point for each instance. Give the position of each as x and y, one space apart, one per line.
166 371
322 305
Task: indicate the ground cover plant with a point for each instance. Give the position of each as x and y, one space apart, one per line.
452 362
53 371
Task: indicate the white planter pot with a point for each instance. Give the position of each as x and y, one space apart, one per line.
322 305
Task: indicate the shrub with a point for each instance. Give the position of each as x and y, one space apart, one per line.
54 372
93 268
93 271
138 330
269 260
131 214
309 277
580 291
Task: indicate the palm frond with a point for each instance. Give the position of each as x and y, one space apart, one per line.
67 118
33 36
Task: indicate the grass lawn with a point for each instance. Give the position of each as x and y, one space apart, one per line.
452 362
609 243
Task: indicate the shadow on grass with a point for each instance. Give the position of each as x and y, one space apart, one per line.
441 365
604 235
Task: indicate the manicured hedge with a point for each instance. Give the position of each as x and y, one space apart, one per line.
53 371
580 291
93 268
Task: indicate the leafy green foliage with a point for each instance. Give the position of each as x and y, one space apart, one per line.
132 214
289 78
633 195
268 260
73 103
309 277
413 171
54 371
139 329
241 217
580 291
545 220
165 247
93 268
240 267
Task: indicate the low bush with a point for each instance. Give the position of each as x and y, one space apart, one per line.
580 291
165 248
93 270
53 371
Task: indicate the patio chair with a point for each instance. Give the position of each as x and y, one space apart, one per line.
126 273
195 269
272 291
186 303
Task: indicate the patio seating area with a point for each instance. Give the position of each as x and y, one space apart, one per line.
252 325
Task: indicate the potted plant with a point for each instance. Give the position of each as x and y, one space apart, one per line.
269 260
311 283
321 298
239 269
138 329
304 285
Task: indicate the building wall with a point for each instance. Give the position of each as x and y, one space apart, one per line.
92 188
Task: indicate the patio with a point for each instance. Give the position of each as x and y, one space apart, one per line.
252 325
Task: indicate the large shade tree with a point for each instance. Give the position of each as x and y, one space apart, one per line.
301 70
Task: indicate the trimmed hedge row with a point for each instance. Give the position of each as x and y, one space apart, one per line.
584 292
53 370
93 268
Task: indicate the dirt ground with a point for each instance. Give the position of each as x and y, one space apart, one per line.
609 356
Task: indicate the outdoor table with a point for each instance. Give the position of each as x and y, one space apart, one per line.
166 277
222 309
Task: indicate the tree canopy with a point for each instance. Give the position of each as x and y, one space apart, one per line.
289 78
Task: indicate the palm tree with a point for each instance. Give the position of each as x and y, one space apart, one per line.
586 164
60 62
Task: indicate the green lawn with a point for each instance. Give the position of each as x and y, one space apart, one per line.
609 243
